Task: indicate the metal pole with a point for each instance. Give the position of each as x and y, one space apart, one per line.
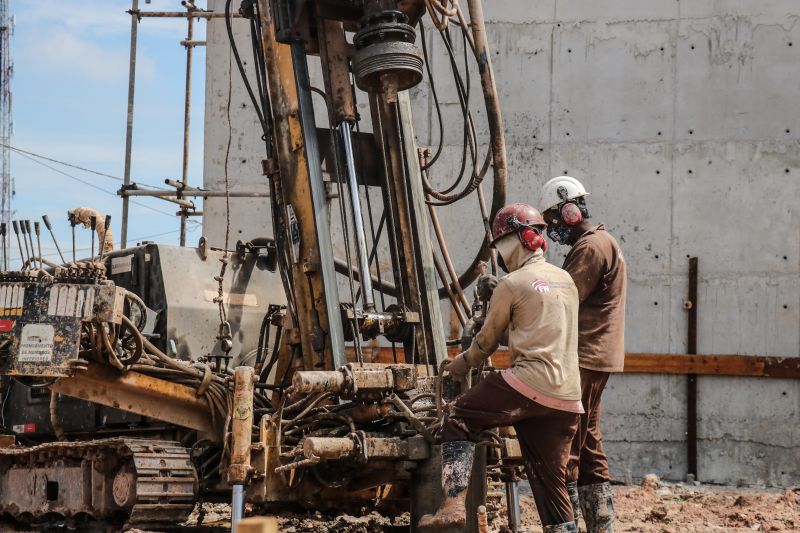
691 384
512 503
319 203
186 118
358 221
129 129
237 506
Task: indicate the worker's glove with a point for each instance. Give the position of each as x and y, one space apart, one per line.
485 287
459 367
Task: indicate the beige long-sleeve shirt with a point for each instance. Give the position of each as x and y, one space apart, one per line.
538 304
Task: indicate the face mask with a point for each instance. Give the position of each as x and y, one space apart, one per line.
560 234
505 246
501 264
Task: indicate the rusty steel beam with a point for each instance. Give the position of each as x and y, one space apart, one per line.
760 366
137 393
296 191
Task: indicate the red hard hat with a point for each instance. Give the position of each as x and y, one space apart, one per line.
513 217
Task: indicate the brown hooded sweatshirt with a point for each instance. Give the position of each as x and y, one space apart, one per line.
538 304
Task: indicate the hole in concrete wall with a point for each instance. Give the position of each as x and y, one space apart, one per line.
790 43
658 172
709 161
656 258
662 48
782 393
692 47
784 258
690 171
52 490
687 256
569 50
655 303
659 134
244 162
784 305
788 130
786 170
691 132
567 134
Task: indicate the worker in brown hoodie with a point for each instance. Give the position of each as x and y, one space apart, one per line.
536 305
596 265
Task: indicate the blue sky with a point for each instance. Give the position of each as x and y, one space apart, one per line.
70 103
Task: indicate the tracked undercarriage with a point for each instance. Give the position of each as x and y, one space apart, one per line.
117 480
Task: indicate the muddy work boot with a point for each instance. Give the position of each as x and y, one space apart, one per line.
572 490
456 469
597 507
566 527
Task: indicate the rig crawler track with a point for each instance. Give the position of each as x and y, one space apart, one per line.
120 479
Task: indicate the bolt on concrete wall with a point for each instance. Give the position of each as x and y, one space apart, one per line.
681 120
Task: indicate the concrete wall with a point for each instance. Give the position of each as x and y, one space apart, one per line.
230 117
682 120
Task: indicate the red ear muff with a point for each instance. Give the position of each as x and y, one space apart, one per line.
532 239
571 214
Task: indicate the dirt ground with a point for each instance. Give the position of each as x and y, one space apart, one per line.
668 507
653 507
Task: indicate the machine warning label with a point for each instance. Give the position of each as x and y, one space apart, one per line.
120 265
36 343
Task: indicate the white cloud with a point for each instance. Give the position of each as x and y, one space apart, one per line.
101 17
61 51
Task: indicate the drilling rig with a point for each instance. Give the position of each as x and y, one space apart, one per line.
166 375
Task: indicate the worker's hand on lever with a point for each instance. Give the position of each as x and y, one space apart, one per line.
485 287
459 367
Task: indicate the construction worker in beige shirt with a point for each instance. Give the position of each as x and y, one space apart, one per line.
536 304
597 266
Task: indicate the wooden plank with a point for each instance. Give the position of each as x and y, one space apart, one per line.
659 363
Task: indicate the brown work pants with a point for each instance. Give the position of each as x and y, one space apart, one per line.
587 462
544 435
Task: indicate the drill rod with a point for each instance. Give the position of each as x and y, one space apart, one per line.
72 221
50 229
19 242
37 229
358 221
29 231
27 258
3 232
94 227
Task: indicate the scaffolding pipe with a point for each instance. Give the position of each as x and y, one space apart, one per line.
186 120
129 129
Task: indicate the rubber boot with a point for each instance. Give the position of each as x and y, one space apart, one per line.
456 470
572 490
598 507
566 527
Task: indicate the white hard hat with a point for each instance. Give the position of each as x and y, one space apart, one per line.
572 189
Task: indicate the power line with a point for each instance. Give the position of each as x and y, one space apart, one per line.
84 169
93 186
